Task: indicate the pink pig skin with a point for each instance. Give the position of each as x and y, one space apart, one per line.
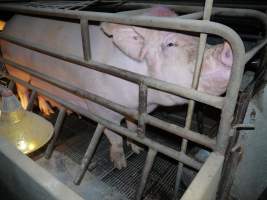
163 55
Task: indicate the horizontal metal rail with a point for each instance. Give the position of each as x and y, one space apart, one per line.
179 131
179 156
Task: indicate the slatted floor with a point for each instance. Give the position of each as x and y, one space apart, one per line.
75 137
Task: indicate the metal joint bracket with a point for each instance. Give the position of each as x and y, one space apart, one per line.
241 127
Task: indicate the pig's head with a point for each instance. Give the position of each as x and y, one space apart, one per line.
171 56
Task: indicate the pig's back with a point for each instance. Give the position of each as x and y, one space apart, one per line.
65 37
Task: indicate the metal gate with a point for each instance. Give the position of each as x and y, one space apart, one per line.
186 22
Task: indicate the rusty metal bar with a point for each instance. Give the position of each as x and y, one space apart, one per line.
191 104
89 153
31 101
57 127
151 155
142 109
179 156
85 39
179 131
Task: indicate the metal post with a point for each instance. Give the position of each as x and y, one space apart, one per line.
148 165
31 101
57 127
191 105
89 153
85 39
142 109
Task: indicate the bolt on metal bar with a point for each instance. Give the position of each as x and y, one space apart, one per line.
179 156
255 49
191 104
142 109
179 131
124 74
89 153
151 155
85 39
31 101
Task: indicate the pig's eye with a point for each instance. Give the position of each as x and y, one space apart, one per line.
171 44
135 37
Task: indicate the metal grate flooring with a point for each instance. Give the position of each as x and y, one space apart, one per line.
76 134
161 181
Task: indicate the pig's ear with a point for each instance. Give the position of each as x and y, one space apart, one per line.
126 39
108 28
227 55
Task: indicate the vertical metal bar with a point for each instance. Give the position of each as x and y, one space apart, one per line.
148 165
85 39
57 127
89 153
191 104
142 109
31 101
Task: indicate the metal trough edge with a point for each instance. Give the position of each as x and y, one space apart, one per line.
205 184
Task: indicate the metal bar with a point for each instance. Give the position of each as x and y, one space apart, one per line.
255 49
124 74
31 101
179 156
142 109
191 104
85 39
151 155
58 124
89 153
179 131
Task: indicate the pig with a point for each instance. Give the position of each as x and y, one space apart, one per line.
164 55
